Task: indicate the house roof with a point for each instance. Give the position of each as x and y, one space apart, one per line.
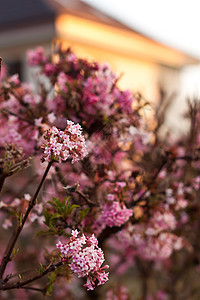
26 15
83 10
20 13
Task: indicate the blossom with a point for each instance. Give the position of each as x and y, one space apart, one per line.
7 223
115 214
51 117
49 69
35 57
85 258
61 145
27 197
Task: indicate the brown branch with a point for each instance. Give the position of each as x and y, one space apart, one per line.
75 189
188 158
19 117
164 162
2 179
0 66
16 234
19 284
43 291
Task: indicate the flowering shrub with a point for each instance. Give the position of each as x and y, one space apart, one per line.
83 176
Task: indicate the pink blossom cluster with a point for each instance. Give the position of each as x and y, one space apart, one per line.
161 221
97 89
36 56
62 145
62 81
120 294
135 243
151 240
85 258
115 214
177 195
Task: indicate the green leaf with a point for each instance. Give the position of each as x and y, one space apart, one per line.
52 227
15 251
47 216
60 232
20 276
41 268
83 213
43 232
51 279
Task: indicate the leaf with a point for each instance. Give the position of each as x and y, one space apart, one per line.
83 213
20 276
73 207
60 232
51 279
15 251
41 268
47 216
43 232
51 226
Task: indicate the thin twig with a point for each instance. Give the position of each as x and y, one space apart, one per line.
151 182
43 291
2 179
21 283
75 189
16 234
19 117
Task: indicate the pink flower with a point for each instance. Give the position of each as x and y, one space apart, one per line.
7 223
36 57
115 214
85 258
62 145
49 69
15 79
51 117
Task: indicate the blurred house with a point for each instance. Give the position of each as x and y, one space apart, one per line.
143 63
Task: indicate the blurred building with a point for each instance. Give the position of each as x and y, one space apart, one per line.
143 63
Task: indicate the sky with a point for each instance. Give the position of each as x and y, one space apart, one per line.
175 23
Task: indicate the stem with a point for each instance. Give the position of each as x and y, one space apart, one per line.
74 188
151 182
144 288
20 284
2 179
0 67
43 291
16 115
16 234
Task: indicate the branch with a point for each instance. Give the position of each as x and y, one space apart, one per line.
2 179
75 189
0 66
19 117
21 283
164 162
43 291
16 234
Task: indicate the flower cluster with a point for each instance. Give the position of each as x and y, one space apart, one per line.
151 240
36 56
62 145
115 214
85 258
